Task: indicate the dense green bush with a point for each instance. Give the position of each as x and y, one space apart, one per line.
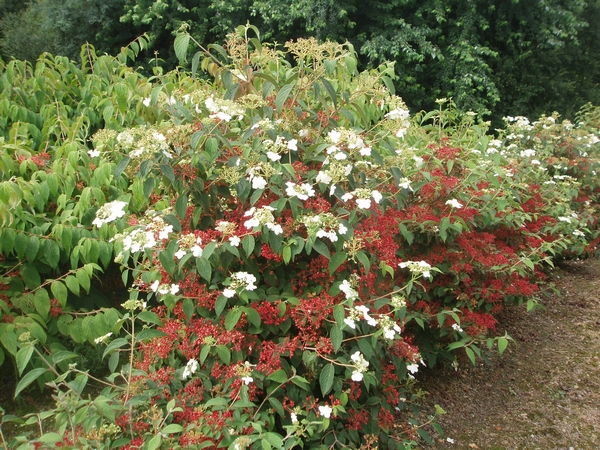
293 246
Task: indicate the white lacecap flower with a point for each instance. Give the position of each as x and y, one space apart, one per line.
234 240
196 251
334 136
294 418
412 368
357 376
323 177
273 156
227 292
363 203
247 380
147 101
325 411
100 339
109 212
454 203
94 153
258 183
190 368
154 286
180 253
293 144
348 321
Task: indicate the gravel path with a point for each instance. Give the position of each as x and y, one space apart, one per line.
543 393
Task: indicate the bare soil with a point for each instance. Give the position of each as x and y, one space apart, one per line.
543 392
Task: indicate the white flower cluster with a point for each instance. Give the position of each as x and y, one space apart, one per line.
325 411
360 366
528 153
190 368
417 268
242 280
138 239
400 115
363 197
405 183
144 143
103 339
413 367
323 225
159 226
454 203
303 191
164 288
262 216
228 228
223 110
274 149
189 243
109 212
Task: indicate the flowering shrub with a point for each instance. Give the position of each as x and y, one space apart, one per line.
294 249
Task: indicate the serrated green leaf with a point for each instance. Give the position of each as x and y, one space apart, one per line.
279 376
60 292
150 317
172 428
72 284
149 333
41 302
502 344
232 318
33 246
283 95
23 357
29 378
336 261
326 379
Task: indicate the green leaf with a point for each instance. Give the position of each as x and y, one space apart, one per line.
277 406
150 317
232 318
182 42
23 357
470 354
224 354
63 355
336 261
30 276
279 376
181 206
33 246
72 284
41 302
339 314
117 343
172 429
149 333
336 336
283 95
248 245
60 292
326 379
502 344
364 260
154 443
48 438
83 279
168 172
9 340
122 166
330 90
274 439
204 268
29 378
321 248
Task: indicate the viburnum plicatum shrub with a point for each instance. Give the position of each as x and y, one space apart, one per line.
296 248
